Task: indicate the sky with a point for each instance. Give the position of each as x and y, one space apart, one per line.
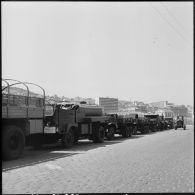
137 51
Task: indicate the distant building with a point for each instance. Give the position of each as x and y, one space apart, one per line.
180 110
90 101
142 109
110 105
160 104
136 103
165 112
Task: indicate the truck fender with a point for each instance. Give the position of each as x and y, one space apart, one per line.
110 125
67 127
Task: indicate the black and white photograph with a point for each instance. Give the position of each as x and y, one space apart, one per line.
97 97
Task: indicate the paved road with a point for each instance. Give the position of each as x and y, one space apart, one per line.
157 162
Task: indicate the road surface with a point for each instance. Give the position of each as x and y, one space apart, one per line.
156 162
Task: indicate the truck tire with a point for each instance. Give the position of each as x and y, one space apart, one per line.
68 139
126 131
134 130
76 135
184 127
144 131
147 129
130 131
98 133
110 133
76 139
13 142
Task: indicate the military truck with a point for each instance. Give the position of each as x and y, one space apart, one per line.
162 123
141 124
118 124
154 121
126 125
179 123
28 119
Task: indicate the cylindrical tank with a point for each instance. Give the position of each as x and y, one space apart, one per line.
91 110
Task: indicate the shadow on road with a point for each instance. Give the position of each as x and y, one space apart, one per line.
52 152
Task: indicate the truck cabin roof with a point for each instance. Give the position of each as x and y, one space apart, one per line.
180 117
69 106
133 115
151 116
168 118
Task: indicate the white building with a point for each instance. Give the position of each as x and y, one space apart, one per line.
164 112
110 105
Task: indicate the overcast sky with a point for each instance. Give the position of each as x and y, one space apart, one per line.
128 50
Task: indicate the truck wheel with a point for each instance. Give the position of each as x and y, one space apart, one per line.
98 133
110 133
76 139
143 130
175 128
13 142
76 136
68 139
126 131
147 130
130 131
184 128
135 131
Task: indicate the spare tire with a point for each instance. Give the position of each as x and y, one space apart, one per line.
13 142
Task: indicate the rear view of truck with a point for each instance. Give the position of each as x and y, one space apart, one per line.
179 123
22 116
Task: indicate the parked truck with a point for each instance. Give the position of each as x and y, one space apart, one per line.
162 123
30 120
169 122
126 125
154 122
142 125
118 124
179 123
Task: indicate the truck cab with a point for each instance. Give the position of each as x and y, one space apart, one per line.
169 122
179 123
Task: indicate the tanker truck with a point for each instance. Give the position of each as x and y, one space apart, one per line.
30 120
71 122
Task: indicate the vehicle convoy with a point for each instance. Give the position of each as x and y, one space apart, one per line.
30 120
179 123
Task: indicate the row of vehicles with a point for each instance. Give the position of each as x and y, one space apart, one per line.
35 121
